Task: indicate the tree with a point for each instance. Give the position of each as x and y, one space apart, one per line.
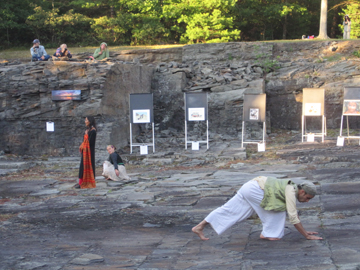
323 20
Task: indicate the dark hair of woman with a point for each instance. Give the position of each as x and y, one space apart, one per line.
92 122
346 16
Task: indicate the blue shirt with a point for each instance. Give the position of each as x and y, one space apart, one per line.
38 52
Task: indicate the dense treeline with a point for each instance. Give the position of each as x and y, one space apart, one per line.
138 22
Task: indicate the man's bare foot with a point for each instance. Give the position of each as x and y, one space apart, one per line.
198 229
268 238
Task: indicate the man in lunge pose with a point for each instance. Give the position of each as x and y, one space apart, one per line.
270 198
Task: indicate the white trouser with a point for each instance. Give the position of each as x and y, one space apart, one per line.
242 206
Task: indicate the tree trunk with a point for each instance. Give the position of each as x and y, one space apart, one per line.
284 27
334 24
323 20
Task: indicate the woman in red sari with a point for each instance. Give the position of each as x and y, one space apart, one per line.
87 150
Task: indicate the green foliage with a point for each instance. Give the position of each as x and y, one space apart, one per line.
353 11
84 22
264 61
51 27
356 53
207 21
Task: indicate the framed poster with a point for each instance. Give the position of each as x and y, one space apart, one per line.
313 103
254 114
196 114
66 95
254 107
141 116
312 109
351 107
141 108
196 106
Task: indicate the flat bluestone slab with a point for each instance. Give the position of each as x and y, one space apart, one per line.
45 192
158 160
349 203
341 188
12 188
87 259
14 165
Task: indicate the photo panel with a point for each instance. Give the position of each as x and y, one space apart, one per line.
313 101
141 108
66 95
196 106
351 107
141 116
254 114
254 107
196 114
312 109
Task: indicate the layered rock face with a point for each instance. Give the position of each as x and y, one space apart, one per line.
26 104
225 71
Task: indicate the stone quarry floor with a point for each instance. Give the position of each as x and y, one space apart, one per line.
146 223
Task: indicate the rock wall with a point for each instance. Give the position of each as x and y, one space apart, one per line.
26 104
225 71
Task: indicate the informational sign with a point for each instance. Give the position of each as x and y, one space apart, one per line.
312 109
310 137
195 146
196 106
313 101
50 127
66 95
340 141
196 114
254 108
143 149
141 116
141 108
261 147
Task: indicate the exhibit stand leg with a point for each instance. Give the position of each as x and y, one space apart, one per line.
185 134
322 134
142 144
207 136
254 141
348 137
131 139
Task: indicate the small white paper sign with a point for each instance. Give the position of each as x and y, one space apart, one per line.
50 126
310 137
194 145
340 141
261 147
143 149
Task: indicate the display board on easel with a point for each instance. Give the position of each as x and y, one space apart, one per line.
142 112
254 110
351 107
196 109
313 106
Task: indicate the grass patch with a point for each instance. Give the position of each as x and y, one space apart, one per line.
334 58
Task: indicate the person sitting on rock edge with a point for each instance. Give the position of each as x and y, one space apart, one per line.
101 53
113 168
38 52
62 52
269 198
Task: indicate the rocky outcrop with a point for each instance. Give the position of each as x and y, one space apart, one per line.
225 71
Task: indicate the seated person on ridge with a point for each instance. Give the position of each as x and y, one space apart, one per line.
62 52
38 52
101 53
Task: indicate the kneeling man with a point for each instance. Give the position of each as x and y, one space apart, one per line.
270 198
